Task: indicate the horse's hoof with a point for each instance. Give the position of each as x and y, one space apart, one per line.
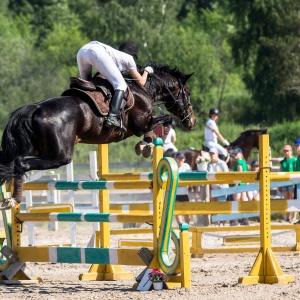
148 150
139 147
8 203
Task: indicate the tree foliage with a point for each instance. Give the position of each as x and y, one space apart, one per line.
266 43
244 54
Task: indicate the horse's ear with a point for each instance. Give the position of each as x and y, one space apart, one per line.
187 77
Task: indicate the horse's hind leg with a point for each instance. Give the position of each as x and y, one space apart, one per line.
25 164
16 197
28 163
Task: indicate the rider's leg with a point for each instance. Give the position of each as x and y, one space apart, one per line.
103 62
223 153
222 157
112 119
84 64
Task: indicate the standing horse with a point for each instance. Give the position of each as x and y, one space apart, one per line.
246 141
42 136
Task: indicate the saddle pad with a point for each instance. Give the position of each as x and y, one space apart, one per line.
99 99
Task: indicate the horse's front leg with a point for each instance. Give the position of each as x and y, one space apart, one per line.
145 147
139 147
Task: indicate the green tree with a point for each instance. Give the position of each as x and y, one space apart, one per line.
43 15
13 49
266 43
202 42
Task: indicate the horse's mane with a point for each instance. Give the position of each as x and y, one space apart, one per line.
165 69
247 133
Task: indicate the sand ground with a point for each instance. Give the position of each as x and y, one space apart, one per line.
215 276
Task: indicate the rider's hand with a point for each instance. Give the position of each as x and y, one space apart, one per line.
226 143
149 70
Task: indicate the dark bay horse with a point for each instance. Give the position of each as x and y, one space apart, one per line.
42 136
247 140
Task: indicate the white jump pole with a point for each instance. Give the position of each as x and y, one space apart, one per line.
52 199
70 177
94 193
94 176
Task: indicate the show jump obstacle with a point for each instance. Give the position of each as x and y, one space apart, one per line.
106 261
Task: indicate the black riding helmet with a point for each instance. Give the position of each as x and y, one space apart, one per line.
214 111
129 47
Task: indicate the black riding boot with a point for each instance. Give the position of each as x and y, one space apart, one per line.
112 119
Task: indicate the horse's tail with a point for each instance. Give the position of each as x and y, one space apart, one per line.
17 140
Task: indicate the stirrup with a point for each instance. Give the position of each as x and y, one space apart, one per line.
112 121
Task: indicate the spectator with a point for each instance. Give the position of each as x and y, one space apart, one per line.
240 166
212 134
254 195
297 169
182 194
288 164
216 165
297 147
168 146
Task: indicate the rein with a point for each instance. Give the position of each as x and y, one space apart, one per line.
182 108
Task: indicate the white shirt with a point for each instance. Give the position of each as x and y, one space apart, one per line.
168 144
209 135
183 190
122 60
219 166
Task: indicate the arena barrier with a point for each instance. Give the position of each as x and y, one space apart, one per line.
166 178
246 188
198 247
266 268
198 250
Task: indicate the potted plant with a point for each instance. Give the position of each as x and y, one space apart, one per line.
202 162
157 278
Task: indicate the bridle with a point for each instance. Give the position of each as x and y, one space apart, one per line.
183 105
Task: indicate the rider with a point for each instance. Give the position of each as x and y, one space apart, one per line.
110 62
212 134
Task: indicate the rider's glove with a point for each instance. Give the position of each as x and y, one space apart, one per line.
149 70
226 143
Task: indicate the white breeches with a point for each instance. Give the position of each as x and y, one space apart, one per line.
94 55
221 150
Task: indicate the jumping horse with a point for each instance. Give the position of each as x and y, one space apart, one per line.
247 140
42 136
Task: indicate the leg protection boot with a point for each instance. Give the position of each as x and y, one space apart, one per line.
112 119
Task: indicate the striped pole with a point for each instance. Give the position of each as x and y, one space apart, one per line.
102 256
82 217
89 185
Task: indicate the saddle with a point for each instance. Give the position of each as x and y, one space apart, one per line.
100 91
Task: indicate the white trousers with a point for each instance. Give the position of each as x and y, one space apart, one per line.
95 55
221 150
